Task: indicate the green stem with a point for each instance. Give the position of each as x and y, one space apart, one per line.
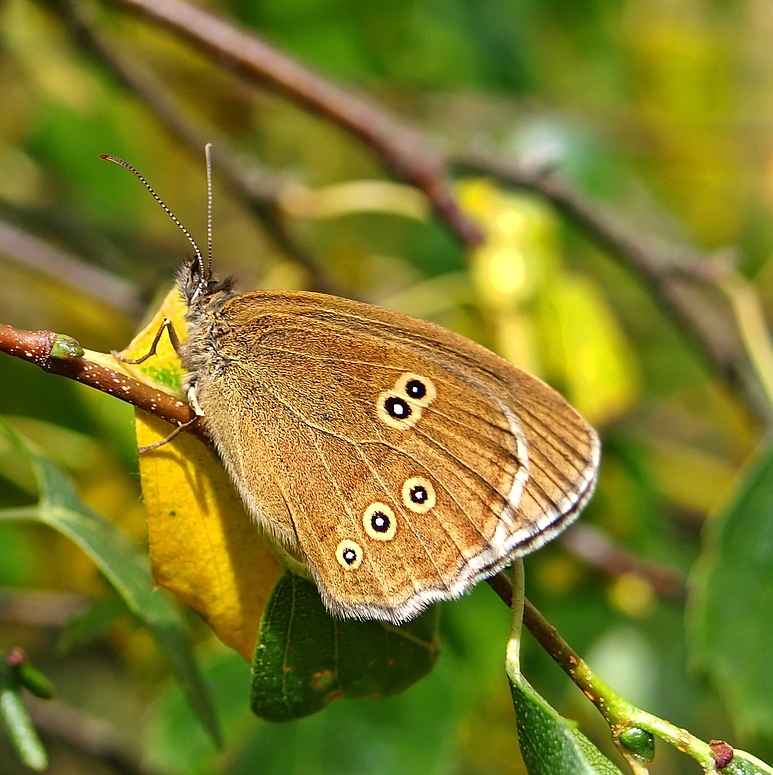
513 654
620 714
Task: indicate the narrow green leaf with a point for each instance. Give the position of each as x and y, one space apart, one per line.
551 744
730 612
18 724
122 564
305 659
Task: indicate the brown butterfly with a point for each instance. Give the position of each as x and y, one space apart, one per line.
401 461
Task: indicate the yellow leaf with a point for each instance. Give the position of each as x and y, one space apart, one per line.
586 352
519 258
203 545
691 478
162 370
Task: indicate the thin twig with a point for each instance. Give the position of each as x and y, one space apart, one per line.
92 736
257 187
619 714
595 547
671 274
37 254
402 149
517 598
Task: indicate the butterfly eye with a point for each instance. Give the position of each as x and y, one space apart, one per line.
349 555
396 411
419 390
379 522
419 494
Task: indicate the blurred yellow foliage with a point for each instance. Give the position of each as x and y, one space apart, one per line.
40 48
547 321
632 595
689 477
509 268
585 351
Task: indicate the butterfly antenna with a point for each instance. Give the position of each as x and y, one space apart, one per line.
126 165
208 156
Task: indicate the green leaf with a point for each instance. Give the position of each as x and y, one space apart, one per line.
730 612
746 764
305 659
19 726
122 564
551 744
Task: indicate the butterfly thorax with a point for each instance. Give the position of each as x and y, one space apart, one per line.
205 297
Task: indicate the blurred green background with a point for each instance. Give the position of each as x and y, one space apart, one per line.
660 108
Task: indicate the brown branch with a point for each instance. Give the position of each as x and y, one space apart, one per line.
402 149
257 187
592 545
544 632
36 347
671 274
41 256
38 608
89 735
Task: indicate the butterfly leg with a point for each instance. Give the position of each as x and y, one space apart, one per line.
167 326
199 412
149 447
193 400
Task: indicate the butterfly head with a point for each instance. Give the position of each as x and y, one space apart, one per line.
197 285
